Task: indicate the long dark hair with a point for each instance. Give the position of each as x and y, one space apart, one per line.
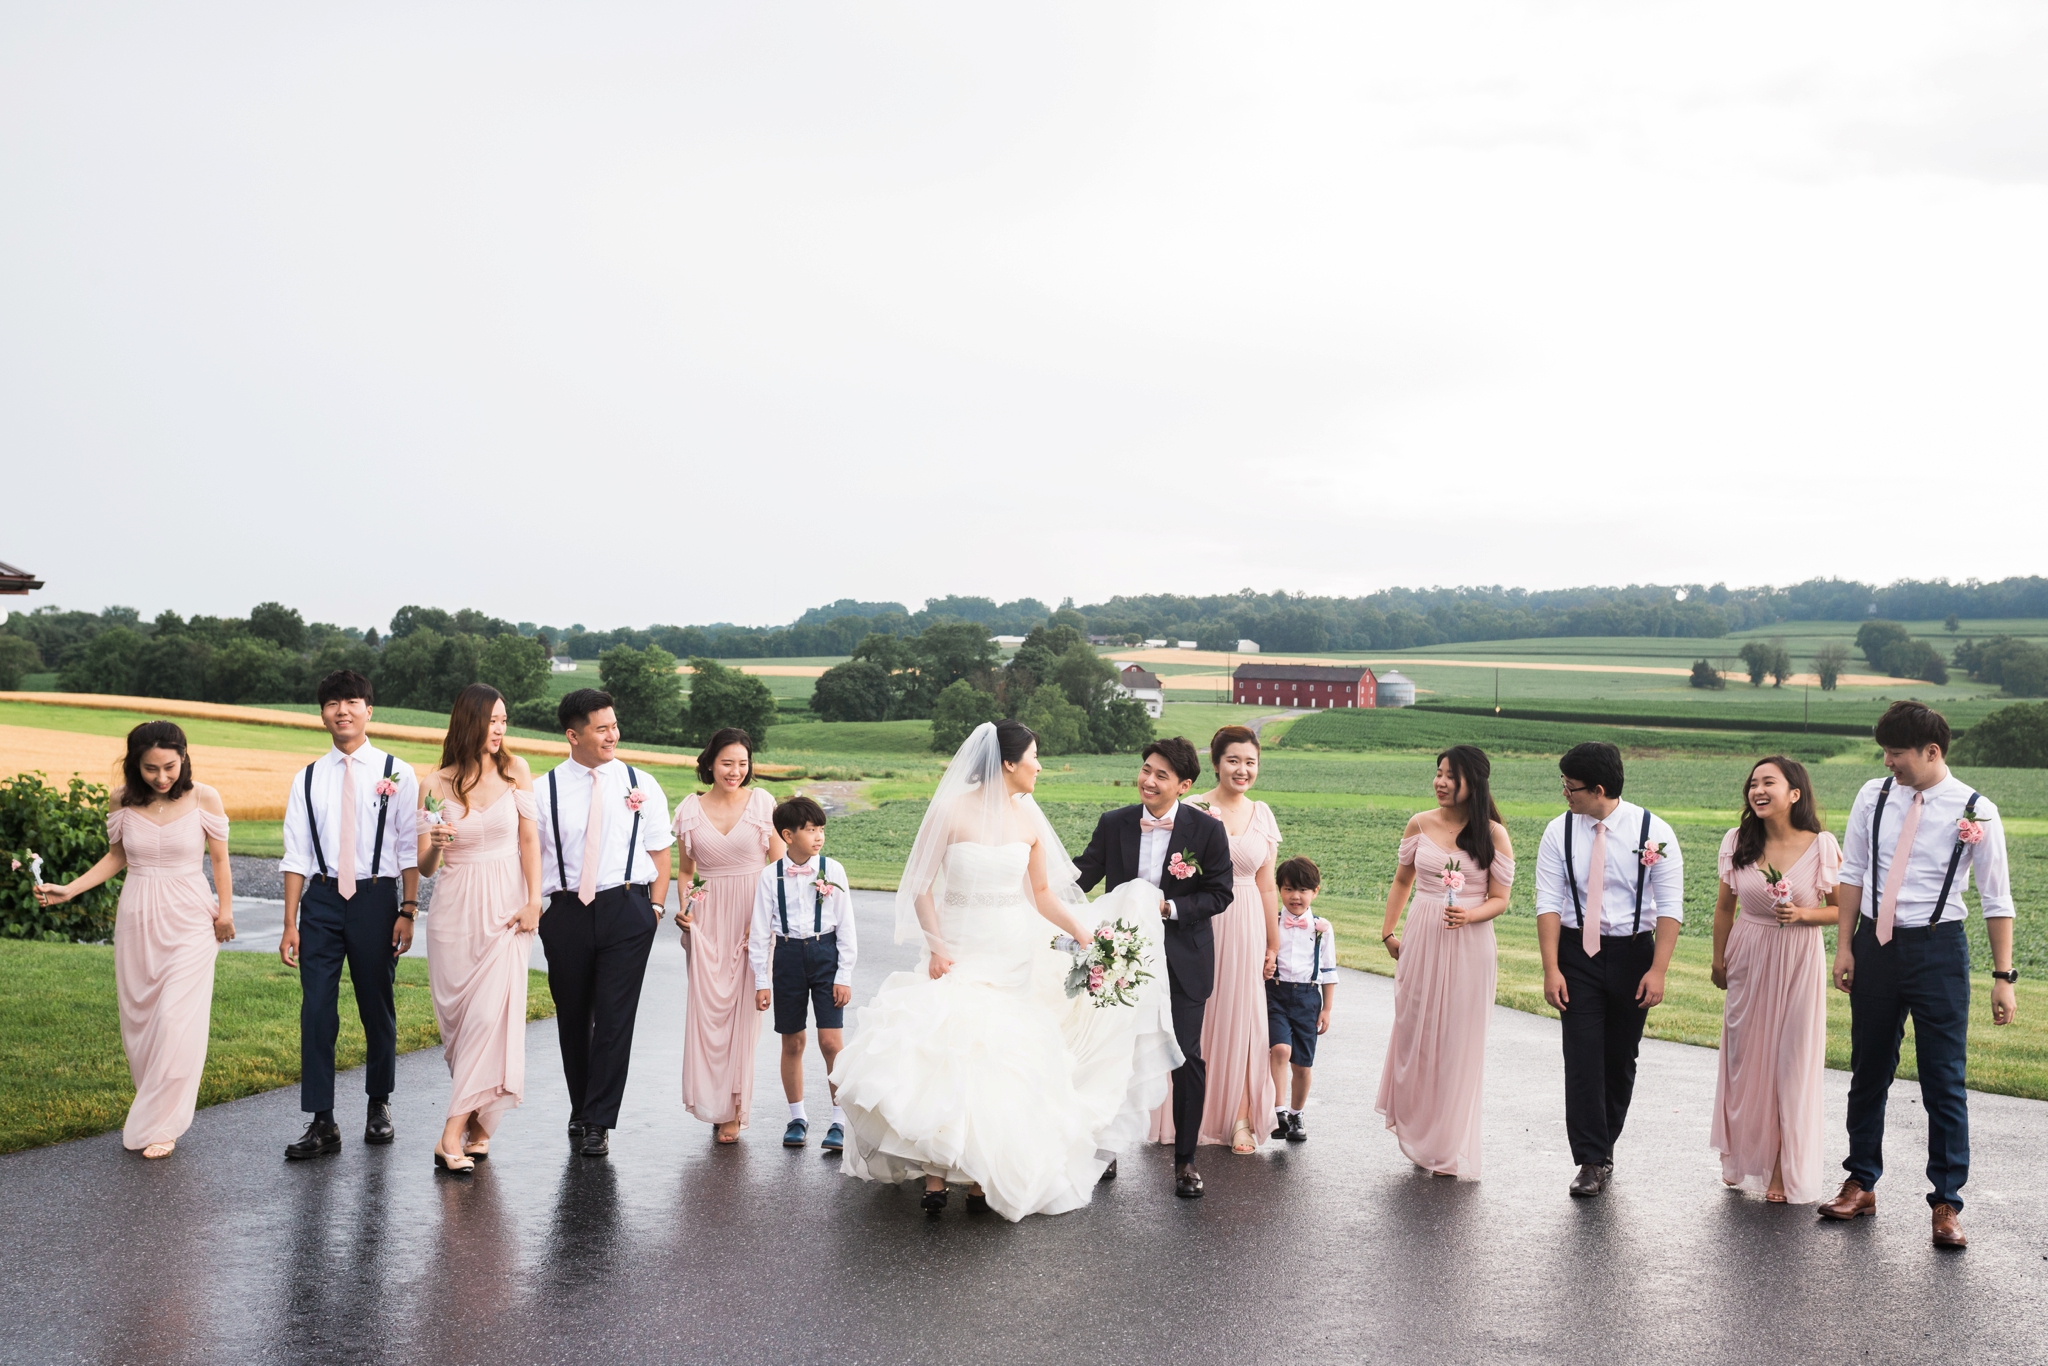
469 731
150 735
1750 831
1470 765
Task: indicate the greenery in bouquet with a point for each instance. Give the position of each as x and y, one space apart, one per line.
1109 965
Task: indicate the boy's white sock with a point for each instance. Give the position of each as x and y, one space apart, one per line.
796 1111
838 1115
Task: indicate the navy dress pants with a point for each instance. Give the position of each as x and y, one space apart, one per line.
1924 973
597 958
1603 1030
356 931
1191 1078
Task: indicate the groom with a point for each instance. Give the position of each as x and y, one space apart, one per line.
1185 853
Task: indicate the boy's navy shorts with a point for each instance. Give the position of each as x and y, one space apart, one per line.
802 976
1292 1009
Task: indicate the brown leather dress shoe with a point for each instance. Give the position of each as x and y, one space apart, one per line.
1850 1202
1947 1233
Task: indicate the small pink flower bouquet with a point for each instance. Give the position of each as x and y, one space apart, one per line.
1970 830
1780 889
1652 854
635 799
1183 865
386 787
1454 881
1108 965
698 889
431 811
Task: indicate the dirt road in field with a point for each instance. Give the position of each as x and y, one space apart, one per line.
1207 682
251 782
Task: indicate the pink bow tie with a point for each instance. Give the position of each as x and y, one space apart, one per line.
1155 823
1296 922
802 870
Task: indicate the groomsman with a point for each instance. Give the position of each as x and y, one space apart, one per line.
1610 896
1914 839
604 842
349 846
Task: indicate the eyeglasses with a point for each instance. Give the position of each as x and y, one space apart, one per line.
1571 791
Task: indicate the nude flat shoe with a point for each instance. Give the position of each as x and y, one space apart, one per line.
456 1165
156 1150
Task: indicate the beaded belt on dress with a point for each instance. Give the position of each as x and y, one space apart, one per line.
980 898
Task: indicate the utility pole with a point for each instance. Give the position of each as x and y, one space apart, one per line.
1496 692
1806 719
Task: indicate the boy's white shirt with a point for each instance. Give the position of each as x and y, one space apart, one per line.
1293 965
767 920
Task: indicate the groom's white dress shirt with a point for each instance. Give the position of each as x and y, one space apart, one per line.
401 843
567 788
1663 888
1934 844
1155 847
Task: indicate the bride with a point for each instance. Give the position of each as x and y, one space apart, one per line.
977 1069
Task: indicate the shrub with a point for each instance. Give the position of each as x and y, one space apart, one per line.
69 830
959 709
255 670
1756 657
106 665
425 669
1915 659
1122 726
17 657
2011 737
1875 637
1705 675
2018 666
857 690
536 713
1828 662
516 666
721 697
647 693
1062 727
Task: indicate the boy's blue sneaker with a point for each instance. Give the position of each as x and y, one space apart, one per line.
794 1135
835 1139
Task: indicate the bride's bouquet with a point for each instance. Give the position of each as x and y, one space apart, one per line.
1109 965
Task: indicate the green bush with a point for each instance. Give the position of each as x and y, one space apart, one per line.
1875 637
857 690
106 665
1121 726
252 669
18 658
1062 727
1828 662
2011 737
1705 675
647 694
959 709
516 666
536 713
69 830
1915 659
424 669
721 697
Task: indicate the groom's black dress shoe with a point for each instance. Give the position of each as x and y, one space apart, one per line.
1187 1182
377 1128
1592 1179
595 1144
319 1140
1108 1173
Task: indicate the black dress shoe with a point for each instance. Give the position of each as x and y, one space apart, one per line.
1280 1125
595 1143
1187 1182
1591 1180
1108 1174
319 1140
377 1127
575 1127
1295 1133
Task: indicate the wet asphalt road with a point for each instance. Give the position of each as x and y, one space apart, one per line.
675 1250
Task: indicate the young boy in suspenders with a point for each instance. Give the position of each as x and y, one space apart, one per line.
1300 994
802 945
349 848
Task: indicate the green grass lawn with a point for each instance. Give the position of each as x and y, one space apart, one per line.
63 1074
1413 728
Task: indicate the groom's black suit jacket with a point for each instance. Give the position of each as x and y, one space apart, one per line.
1201 838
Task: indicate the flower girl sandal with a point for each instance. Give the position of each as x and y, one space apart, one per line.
1242 1142
156 1150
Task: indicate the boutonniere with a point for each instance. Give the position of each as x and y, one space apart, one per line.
1970 830
433 809
635 799
386 789
1184 865
1651 854
826 887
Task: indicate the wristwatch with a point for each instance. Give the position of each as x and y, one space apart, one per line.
404 914
2012 976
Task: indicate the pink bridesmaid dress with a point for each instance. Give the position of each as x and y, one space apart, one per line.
1234 1042
477 957
1432 1085
722 1026
1774 1033
163 966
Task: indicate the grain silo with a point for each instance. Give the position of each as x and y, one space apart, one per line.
1396 690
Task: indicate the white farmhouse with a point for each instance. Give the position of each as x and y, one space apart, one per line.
1247 647
1143 685
562 664
1158 644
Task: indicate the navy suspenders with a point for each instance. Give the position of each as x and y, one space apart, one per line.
555 821
1955 858
782 898
1571 878
313 825
1315 959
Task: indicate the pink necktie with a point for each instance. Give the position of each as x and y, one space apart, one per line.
593 840
1596 883
1155 822
1895 876
345 860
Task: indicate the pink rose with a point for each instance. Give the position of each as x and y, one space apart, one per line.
635 799
1454 880
1104 932
1653 855
1970 832
17 865
1095 979
1178 867
1781 891
697 894
387 787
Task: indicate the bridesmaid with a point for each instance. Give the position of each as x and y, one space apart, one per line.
727 837
165 931
487 905
1430 1087
1769 958
1234 1044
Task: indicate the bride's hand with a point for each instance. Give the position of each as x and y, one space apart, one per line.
940 966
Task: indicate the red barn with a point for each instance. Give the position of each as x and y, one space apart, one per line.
1304 685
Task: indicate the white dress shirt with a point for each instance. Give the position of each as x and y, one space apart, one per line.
1297 944
1663 888
1934 844
401 843
806 918
1155 847
566 788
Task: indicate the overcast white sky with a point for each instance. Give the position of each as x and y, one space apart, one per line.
684 312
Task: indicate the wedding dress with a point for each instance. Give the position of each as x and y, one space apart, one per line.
991 1073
